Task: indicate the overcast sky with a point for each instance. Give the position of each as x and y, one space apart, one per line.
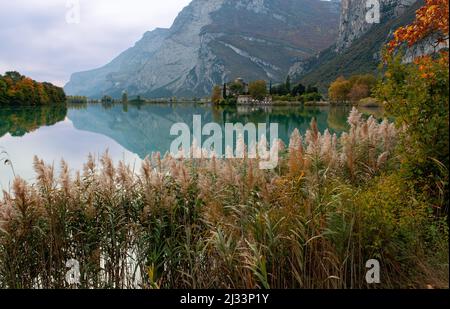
42 39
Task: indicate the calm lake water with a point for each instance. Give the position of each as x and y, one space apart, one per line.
129 132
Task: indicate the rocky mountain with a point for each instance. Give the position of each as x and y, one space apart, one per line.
359 43
353 22
215 41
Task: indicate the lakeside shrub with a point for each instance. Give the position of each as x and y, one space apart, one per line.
417 94
352 90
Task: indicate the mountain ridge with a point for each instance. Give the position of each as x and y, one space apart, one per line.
356 51
212 42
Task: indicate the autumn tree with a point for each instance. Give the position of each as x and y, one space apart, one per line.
3 90
368 80
417 94
358 92
16 89
216 95
357 87
339 90
431 20
258 89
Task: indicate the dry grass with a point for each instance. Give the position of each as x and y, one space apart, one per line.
207 223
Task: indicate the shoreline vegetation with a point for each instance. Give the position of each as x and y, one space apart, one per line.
332 204
357 91
16 89
367 102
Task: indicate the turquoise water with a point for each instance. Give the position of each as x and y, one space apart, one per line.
129 132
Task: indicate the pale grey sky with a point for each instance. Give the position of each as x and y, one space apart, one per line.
37 40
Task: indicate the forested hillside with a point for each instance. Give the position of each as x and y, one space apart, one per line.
16 89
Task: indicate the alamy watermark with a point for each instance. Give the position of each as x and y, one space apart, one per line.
373 273
191 145
73 13
373 14
73 275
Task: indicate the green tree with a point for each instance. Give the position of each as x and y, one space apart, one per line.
258 89
288 83
124 97
236 88
224 91
312 89
3 91
77 99
311 97
417 95
14 76
107 99
17 89
366 79
280 90
298 90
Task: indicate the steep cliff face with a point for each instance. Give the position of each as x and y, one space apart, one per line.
214 41
353 22
359 44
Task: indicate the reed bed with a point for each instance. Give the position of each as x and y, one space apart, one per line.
313 222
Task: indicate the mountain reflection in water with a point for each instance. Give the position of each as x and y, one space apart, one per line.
128 131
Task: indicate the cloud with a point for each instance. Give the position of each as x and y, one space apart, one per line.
37 40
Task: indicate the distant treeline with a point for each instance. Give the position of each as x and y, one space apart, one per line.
16 89
294 92
77 99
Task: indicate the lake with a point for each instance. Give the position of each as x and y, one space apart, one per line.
130 132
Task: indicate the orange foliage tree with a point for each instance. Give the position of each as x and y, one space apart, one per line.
216 95
16 89
358 92
431 19
417 95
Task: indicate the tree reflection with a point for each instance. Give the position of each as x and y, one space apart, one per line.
19 120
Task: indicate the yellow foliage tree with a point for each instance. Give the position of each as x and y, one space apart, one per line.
216 95
339 90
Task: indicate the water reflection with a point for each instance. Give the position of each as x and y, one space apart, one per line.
130 131
18 120
143 129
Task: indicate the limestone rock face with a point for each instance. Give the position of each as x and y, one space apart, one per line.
215 41
353 22
359 44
